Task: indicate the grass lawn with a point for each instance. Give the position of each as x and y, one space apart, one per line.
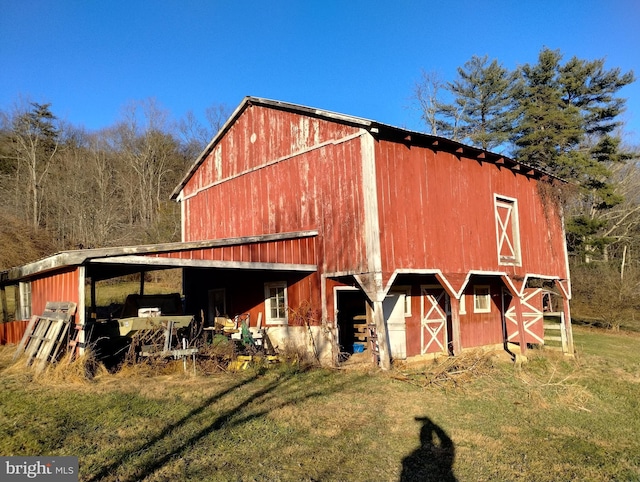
553 419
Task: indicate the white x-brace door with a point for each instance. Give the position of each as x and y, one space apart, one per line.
433 321
531 315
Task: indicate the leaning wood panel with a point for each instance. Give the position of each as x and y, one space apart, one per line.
49 343
38 337
25 337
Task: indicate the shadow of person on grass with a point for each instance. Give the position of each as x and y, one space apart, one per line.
433 460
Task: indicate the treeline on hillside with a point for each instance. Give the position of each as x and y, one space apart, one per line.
564 117
93 189
112 187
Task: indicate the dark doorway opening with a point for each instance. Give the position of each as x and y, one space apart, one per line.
351 319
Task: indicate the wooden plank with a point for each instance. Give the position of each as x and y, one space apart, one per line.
49 336
50 342
74 341
55 316
563 335
57 305
60 343
25 337
36 339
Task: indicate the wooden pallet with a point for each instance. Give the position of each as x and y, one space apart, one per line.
46 335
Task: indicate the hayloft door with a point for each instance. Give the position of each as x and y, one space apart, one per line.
433 325
393 308
531 313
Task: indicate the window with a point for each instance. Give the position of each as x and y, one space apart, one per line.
406 291
275 301
24 308
507 230
481 299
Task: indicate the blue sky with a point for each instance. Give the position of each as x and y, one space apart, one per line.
90 58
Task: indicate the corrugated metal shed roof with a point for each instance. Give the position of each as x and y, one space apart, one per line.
135 255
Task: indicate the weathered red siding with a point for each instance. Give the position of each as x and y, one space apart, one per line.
245 291
437 211
276 172
479 329
291 251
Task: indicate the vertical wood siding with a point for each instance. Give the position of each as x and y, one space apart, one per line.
479 329
437 211
245 291
313 188
290 251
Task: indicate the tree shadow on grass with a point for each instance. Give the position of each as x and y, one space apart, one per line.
152 455
433 460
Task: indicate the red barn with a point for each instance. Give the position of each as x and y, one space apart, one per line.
317 224
446 245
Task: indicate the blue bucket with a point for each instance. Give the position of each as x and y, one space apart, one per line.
358 348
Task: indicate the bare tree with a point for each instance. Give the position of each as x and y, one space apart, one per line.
440 117
425 94
195 135
34 144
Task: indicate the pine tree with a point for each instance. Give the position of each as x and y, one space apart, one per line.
480 113
567 115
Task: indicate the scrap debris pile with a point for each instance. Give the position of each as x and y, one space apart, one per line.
151 328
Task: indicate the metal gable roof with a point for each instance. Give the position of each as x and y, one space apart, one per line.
376 129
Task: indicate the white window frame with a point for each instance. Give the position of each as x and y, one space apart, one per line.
507 230
283 319
406 291
463 305
477 296
24 309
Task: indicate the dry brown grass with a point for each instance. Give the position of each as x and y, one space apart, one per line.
507 423
73 370
21 243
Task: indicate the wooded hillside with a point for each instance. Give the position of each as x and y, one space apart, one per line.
66 188
92 189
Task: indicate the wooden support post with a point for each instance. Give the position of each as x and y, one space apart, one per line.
566 326
383 337
94 314
5 308
522 335
17 304
141 283
566 321
456 339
